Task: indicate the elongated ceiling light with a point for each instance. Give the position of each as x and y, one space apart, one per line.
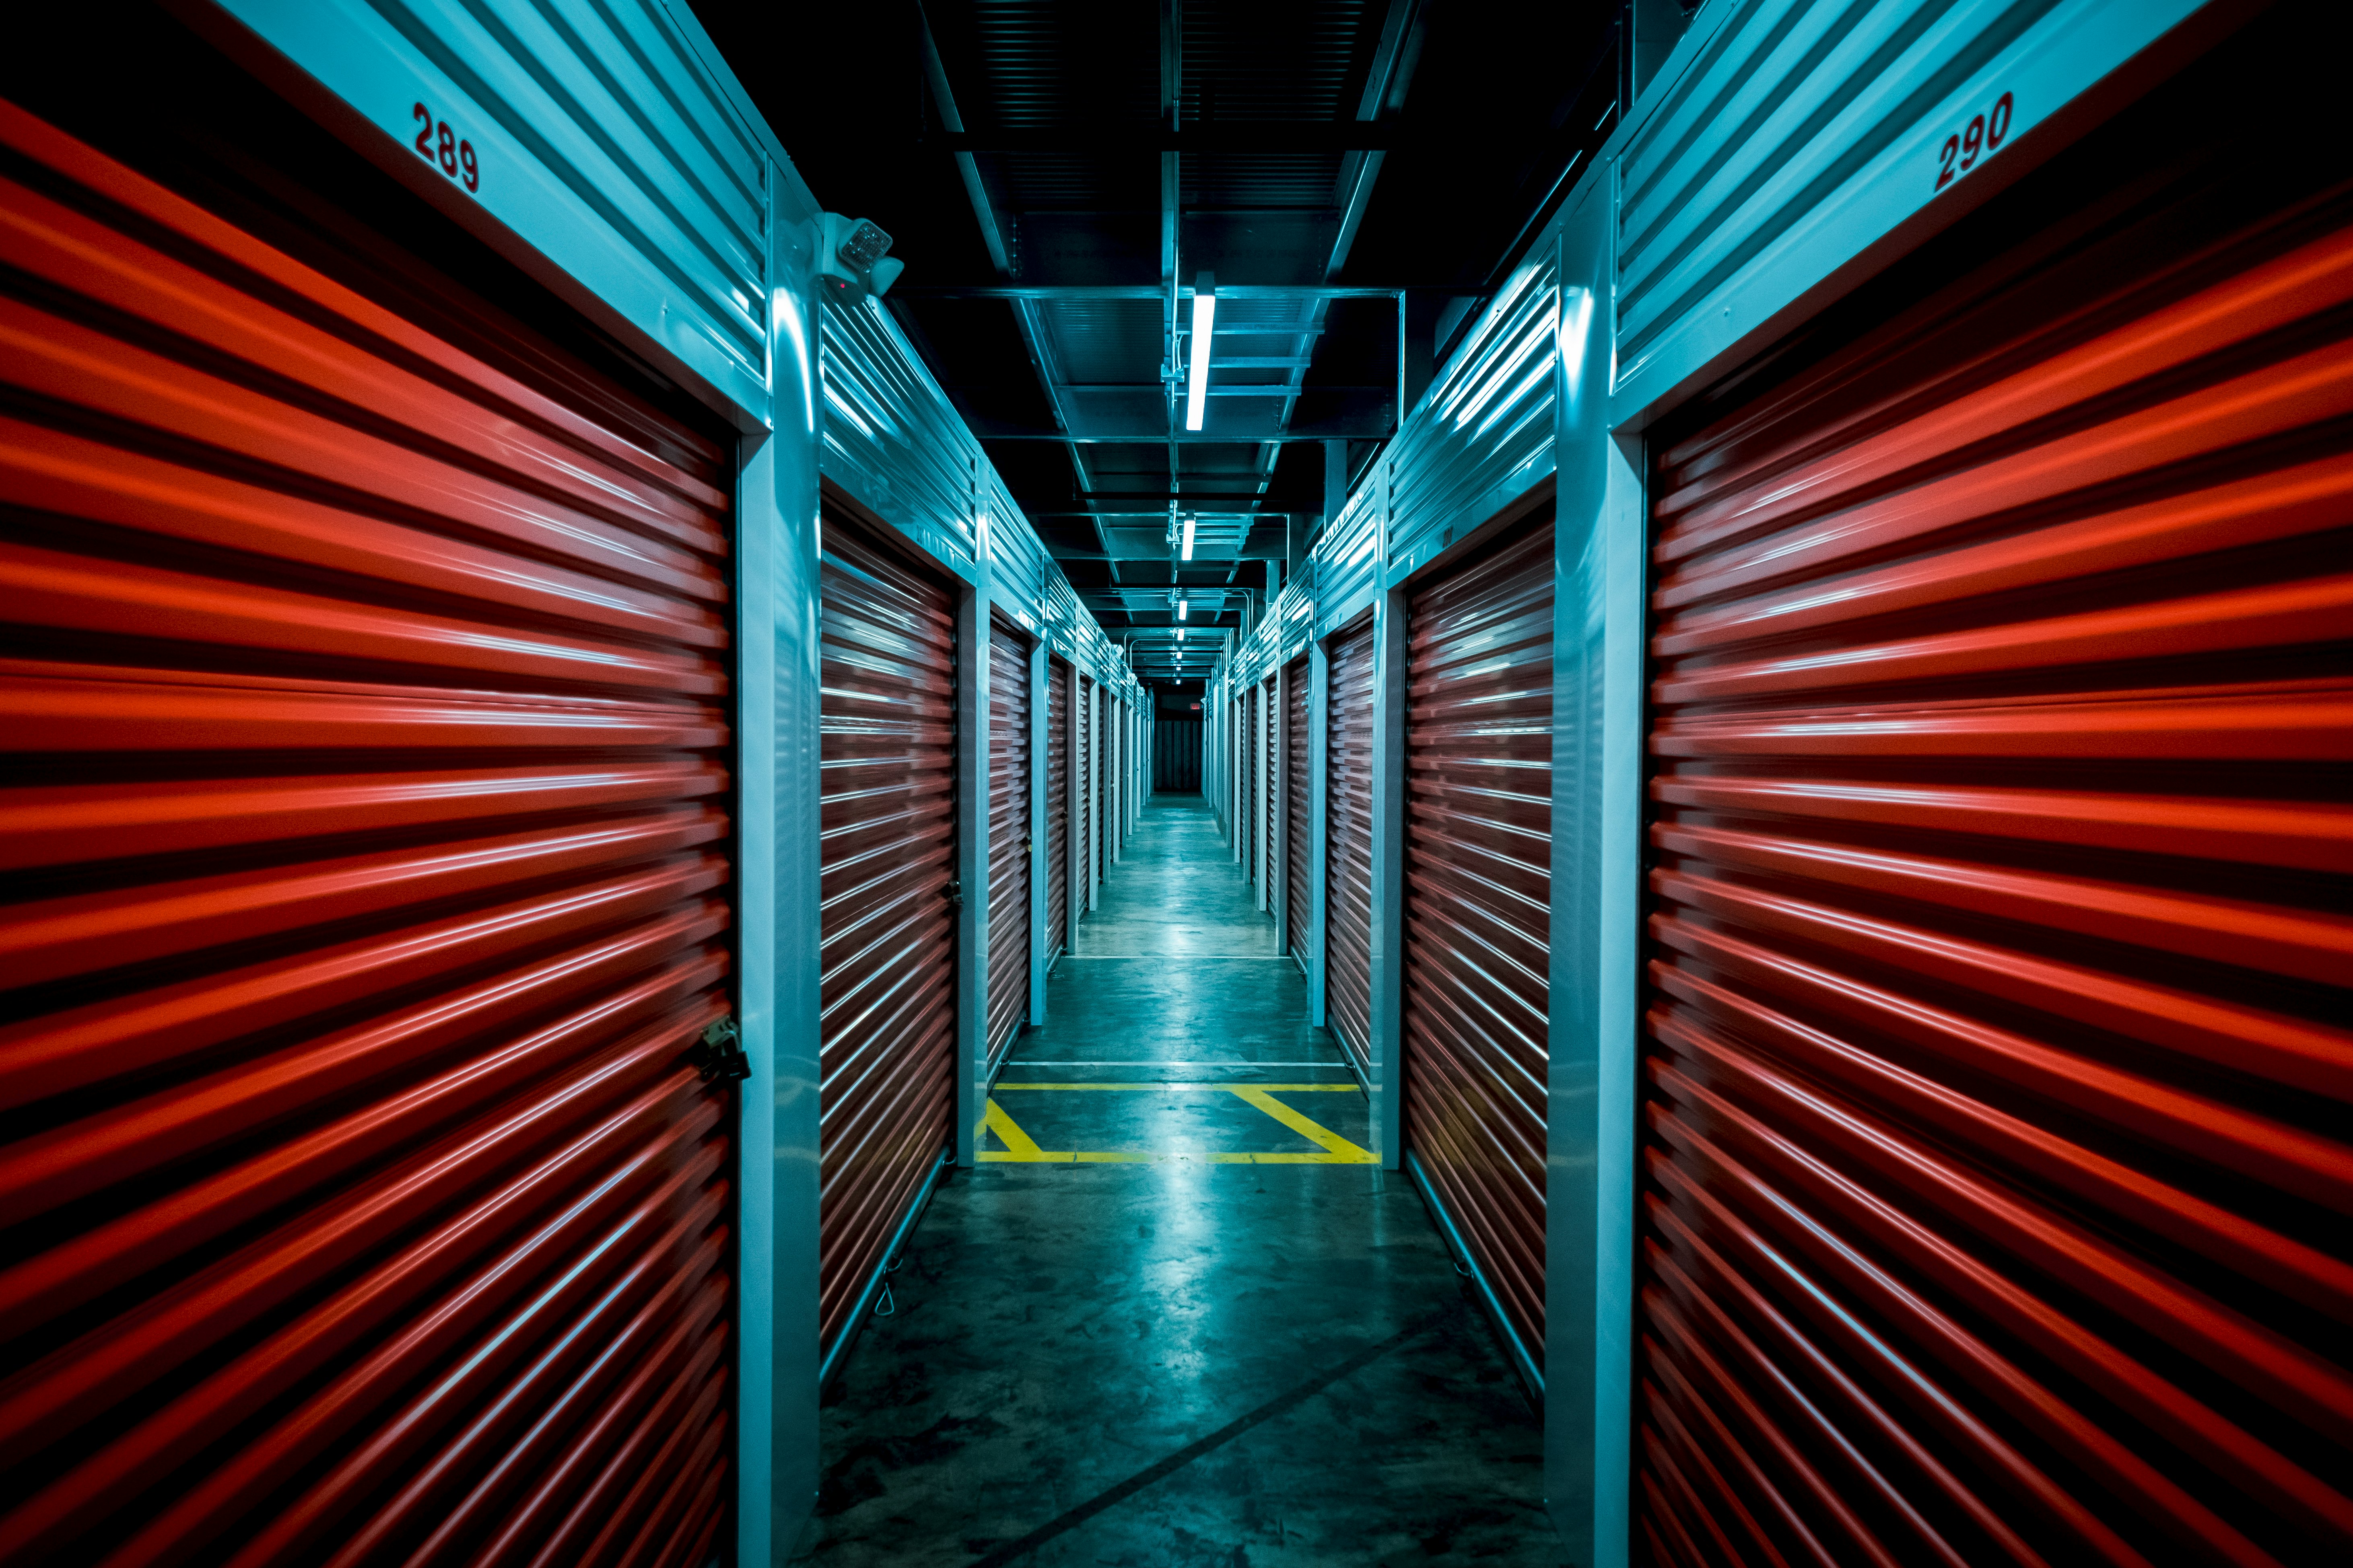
1197 385
1185 552
1181 605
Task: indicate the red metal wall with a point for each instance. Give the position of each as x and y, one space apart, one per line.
1298 896
887 930
1478 900
367 843
1009 836
1996 1066
1348 841
1058 805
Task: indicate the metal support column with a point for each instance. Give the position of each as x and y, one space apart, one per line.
1596 922
1387 1068
777 720
1041 708
972 868
1319 849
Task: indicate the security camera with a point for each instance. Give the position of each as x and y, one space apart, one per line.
853 260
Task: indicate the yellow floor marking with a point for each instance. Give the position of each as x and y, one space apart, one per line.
1020 1148
1337 1151
1271 1088
1018 1145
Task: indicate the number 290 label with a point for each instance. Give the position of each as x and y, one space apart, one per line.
438 144
1963 149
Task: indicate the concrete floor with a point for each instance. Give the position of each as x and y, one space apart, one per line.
1183 1322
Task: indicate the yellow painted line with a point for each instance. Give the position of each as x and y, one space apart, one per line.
1337 1151
1272 1087
1018 1145
1020 1148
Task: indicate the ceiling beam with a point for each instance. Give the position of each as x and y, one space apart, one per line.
1092 291
1384 83
1227 136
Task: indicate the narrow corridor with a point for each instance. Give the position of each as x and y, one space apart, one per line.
1177 1315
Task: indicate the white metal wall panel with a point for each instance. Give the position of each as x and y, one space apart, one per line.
892 438
599 140
1484 434
1795 135
1347 560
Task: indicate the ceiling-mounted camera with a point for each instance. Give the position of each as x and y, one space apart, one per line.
853 260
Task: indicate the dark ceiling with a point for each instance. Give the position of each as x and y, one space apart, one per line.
1356 175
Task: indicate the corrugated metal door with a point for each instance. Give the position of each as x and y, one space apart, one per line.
1009 836
1996 1061
1058 806
369 881
1478 905
887 930
1348 841
1297 872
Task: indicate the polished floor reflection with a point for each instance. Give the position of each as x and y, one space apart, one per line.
1176 1317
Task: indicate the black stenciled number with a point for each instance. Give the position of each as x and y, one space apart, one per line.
473 168
424 132
1973 143
448 150
1952 149
2000 126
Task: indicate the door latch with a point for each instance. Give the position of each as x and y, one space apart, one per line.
953 893
719 1055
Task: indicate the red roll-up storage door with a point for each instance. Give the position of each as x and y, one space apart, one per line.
1298 873
1009 836
887 932
1058 806
369 862
1348 841
1996 1064
1478 900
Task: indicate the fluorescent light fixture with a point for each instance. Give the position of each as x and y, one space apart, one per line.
1197 385
1185 552
1180 630
1181 605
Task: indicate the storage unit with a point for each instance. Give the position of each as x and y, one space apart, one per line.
1994 1171
1299 891
887 936
1009 836
1059 763
1478 891
1348 840
369 885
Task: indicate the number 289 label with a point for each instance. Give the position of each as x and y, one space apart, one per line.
438 144
1965 147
